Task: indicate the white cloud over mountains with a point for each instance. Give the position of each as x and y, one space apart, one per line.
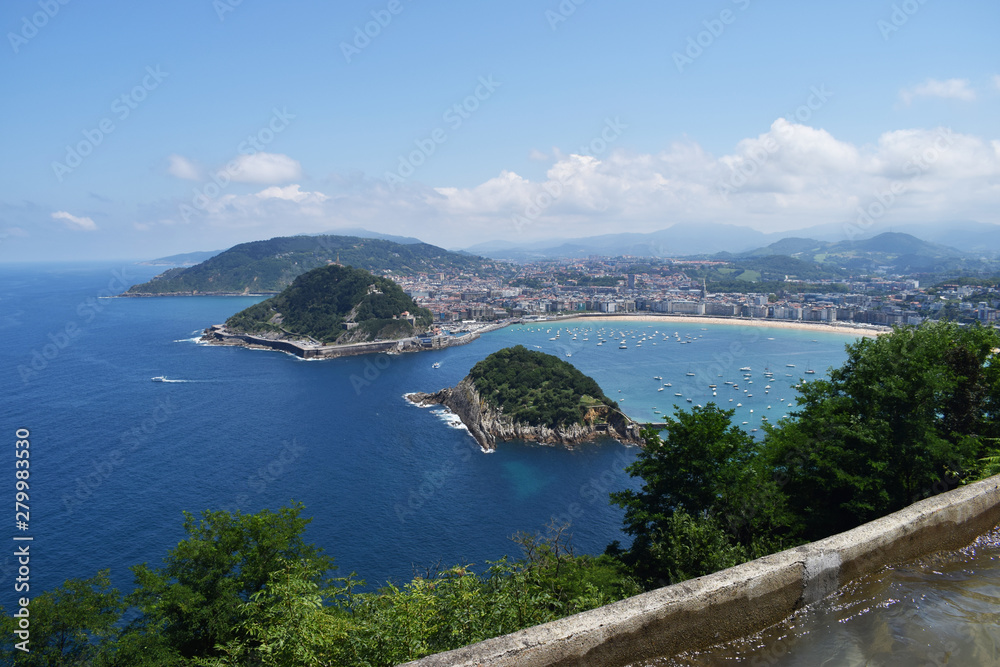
789 177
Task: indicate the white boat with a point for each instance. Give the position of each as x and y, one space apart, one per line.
623 346
810 372
790 365
159 378
436 364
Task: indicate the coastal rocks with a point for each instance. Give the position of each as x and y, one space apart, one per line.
487 423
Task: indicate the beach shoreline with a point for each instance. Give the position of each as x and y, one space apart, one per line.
843 328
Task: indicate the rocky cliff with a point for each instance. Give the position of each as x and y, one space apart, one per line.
487 423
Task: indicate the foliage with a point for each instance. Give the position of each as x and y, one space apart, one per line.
906 413
320 302
272 265
196 599
456 607
68 624
706 501
536 388
246 590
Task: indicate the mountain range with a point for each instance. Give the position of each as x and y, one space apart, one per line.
682 240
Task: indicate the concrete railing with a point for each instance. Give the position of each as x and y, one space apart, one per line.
740 600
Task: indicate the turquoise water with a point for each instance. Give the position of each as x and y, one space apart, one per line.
392 488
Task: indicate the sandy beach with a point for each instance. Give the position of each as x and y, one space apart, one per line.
846 329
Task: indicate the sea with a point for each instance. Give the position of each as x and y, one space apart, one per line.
393 490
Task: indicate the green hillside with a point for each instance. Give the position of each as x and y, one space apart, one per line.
537 388
335 304
272 265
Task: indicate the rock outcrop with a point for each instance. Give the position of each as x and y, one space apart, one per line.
487 423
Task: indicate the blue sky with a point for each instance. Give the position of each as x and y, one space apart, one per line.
136 130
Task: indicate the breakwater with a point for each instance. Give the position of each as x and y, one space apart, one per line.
218 335
740 600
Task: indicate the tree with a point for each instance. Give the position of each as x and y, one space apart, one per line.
196 600
703 478
907 415
68 624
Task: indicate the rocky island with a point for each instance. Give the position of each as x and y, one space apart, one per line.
519 394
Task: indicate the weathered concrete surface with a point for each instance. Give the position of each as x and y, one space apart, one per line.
743 599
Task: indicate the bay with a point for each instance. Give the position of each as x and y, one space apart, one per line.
392 489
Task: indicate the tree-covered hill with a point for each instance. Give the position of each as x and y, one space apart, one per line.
537 388
335 304
272 265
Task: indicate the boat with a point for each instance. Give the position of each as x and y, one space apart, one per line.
623 346
690 375
810 372
657 377
159 378
745 369
436 364
790 365
688 400
660 389
677 393
712 386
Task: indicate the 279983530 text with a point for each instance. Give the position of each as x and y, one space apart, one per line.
22 515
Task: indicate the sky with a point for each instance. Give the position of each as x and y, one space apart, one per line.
137 129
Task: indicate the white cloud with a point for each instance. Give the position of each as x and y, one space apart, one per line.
789 177
266 168
291 193
74 222
183 168
538 155
953 89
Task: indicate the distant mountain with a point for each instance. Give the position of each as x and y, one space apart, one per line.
184 259
709 239
368 234
676 241
334 304
903 253
270 266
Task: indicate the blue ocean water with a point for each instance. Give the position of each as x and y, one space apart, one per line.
116 459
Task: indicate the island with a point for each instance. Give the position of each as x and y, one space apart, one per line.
521 394
334 311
